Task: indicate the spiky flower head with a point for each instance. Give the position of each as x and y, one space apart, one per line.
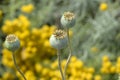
12 43
58 39
68 19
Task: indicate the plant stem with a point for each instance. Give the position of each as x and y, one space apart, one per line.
70 53
118 76
59 64
13 55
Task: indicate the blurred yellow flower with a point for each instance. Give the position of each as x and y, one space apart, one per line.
118 59
57 74
27 8
8 76
54 78
94 49
78 64
38 67
97 77
30 75
89 76
103 6
107 64
54 65
45 71
91 70
112 69
46 43
73 59
63 63
105 58
7 58
104 70
118 70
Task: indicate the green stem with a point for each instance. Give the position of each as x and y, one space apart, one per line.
13 55
70 53
118 76
59 64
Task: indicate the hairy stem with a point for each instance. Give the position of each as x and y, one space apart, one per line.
70 53
13 55
59 64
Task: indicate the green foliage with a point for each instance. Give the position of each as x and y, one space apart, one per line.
101 31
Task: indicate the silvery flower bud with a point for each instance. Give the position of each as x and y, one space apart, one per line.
12 43
58 39
68 20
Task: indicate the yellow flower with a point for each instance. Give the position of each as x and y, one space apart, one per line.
107 64
26 54
8 76
73 59
44 36
42 78
83 75
24 34
5 29
46 43
54 65
57 74
35 31
52 29
38 67
91 70
45 28
63 63
97 77
103 6
105 58
94 49
71 78
118 59
22 17
104 70
7 58
30 75
78 64
15 22
89 76
117 70
8 23
112 69
30 43
27 8
45 71
54 78
34 49
74 72
22 43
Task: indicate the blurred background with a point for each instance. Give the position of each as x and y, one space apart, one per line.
95 39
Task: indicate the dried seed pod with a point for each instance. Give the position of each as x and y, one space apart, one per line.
68 20
58 39
12 43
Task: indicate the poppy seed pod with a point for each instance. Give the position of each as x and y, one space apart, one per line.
58 39
68 20
12 43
